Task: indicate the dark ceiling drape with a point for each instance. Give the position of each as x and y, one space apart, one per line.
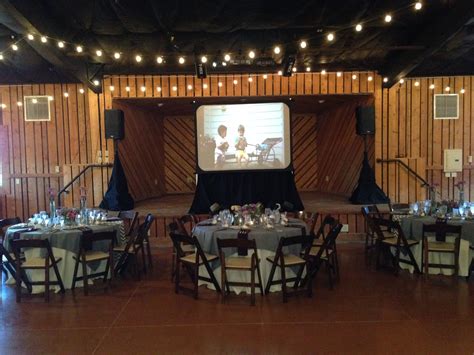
238 188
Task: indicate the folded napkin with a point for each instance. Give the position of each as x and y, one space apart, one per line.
17 233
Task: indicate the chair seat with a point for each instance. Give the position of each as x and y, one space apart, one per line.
191 258
393 241
289 260
120 248
37 263
94 255
441 246
315 250
238 262
187 248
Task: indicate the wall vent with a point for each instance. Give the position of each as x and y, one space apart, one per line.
446 106
37 108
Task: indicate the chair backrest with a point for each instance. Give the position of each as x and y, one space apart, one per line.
18 244
238 243
186 223
7 222
398 206
441 230
310 218
131 218
143 229
328 242
173 227
179 239
375 223
326 225
88 239
371 210
305 241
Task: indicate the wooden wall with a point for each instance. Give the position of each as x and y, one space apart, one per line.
339 149
407 130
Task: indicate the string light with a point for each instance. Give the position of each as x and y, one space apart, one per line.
4 106
280 73
159 59
227 57
219 84
181 60
385 80
190 87
251 54
224 64
175 88
303 44
402 81
338 74
14 47
158 88
19 103
447 89
138 58
117 55
204 86
79 49
323 72
250 79
358 27
66 95
235 82
50 98
432 86
308 69
354 77
330 37
61 44
276 50
143 89
203 59
294 70
98 52
112 88
370 78
1 56
418 5
265 76
30 37
127 88
388 18
96 82
417 83
35 101
214 64
44 39
81 90
462 91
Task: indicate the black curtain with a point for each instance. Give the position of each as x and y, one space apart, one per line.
117 197
367 190
238 188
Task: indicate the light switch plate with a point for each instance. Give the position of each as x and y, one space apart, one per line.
345 228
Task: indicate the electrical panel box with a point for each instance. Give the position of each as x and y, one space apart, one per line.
452 160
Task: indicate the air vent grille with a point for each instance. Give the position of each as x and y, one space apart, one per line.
446 106
37 108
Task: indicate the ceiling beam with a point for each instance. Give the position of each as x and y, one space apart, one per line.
73 69
433 36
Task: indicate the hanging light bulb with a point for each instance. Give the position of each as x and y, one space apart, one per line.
358 27
330 37
81 91
14 47
276 50
35 101
323 72
338 74
1 56
388 18
44 39
354 77
98 52
204 86
138 58
250 79
447 89
280 73
19 103
219 84
308 69
402 81
385 80
190 87
303 44
227 57
432 86
265 76
127 88
4 106
79 49
143 89
159 59
370 78
50 98
66 95
251 54
294 69
30 37
117 55
214 64
181 60
418 5
174 88
158 88
61 44
96 82
224 64
417 83
235 82
112 88
462 91
203 59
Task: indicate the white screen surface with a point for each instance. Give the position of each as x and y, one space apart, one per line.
243 136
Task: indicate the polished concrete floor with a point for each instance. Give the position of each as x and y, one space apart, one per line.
367 312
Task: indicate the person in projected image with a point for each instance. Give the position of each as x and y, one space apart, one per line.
221 145
240 146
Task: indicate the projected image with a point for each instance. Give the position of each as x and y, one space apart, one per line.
243 136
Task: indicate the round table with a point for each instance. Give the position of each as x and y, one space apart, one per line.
412 227
65 245
267 240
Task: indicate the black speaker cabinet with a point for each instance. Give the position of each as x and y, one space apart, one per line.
365 120
114 125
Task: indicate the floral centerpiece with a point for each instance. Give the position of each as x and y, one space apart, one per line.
252 209
69 215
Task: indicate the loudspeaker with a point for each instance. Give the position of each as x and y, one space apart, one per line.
365 120
114 125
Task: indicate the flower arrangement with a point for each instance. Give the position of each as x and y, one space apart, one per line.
69 214
252 209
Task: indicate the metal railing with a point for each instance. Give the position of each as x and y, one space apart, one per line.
410 170
82 172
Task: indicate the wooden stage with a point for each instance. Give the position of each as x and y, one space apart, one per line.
167 207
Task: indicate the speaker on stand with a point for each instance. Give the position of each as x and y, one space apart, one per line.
367 190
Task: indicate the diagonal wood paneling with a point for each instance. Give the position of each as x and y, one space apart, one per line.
304 151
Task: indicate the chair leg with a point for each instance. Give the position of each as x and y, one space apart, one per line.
252 285
58 277
223 283
283 284
142 247
18 283
196 280
260 284
270 278
74 277
148 251
46 284
106 271
173 262
177 276
426 260
85 280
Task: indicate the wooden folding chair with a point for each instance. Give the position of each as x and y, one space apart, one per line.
370 236
395 239
186 224
241 263
87 255
192 262
186 248
440 231
283 261
471 265
38 263
130 219
7 265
